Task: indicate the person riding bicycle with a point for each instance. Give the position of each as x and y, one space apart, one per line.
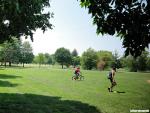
77 72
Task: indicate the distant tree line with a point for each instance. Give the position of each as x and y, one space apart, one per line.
45 59
15 51
101 60
65 57
141 63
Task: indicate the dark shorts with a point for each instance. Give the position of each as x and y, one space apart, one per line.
111 80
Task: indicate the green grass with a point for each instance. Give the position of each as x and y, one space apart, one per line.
50 90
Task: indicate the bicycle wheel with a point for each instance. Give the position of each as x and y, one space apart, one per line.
81 77
73 78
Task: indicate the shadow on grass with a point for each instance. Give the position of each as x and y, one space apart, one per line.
121 92
5 76
18 67
143 71
31 103
7 84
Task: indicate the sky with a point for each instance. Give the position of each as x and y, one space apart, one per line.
73 29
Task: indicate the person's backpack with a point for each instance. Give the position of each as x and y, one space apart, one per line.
109 76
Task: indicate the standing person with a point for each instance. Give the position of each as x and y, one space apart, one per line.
112 79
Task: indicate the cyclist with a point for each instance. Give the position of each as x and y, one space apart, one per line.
77 72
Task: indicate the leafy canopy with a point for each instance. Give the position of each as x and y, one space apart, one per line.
129 19
10 51
23 17
74 53
26 53
63 56
89 59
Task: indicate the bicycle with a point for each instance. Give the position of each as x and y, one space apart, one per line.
78 77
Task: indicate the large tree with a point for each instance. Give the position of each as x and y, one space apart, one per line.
104 58
75 58
116 61
89 59
142 61
53 59
148 63
63 56
26 53
40 59
129 19
75 61
74 53
47 58
10 51
132 63
23 17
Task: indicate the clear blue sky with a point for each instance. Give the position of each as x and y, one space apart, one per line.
73 29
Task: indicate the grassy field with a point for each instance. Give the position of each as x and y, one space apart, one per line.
50 90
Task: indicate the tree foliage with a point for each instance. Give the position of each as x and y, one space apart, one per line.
104 58
148 63
14 51
75 58
63 56
53 59
40 59
89 59
47 58
132 64
26 53
10 51
116 61
138 64
142 61
75 61
23 17
74 53
101 65
123 61
129 19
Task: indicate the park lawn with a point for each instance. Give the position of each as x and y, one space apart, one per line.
51 90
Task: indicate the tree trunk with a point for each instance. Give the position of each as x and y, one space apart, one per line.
5 64
23 64
10 64
62 66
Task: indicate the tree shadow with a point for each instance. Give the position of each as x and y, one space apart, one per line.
143 71
32 103
1 68
18 67
7 84
5 76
